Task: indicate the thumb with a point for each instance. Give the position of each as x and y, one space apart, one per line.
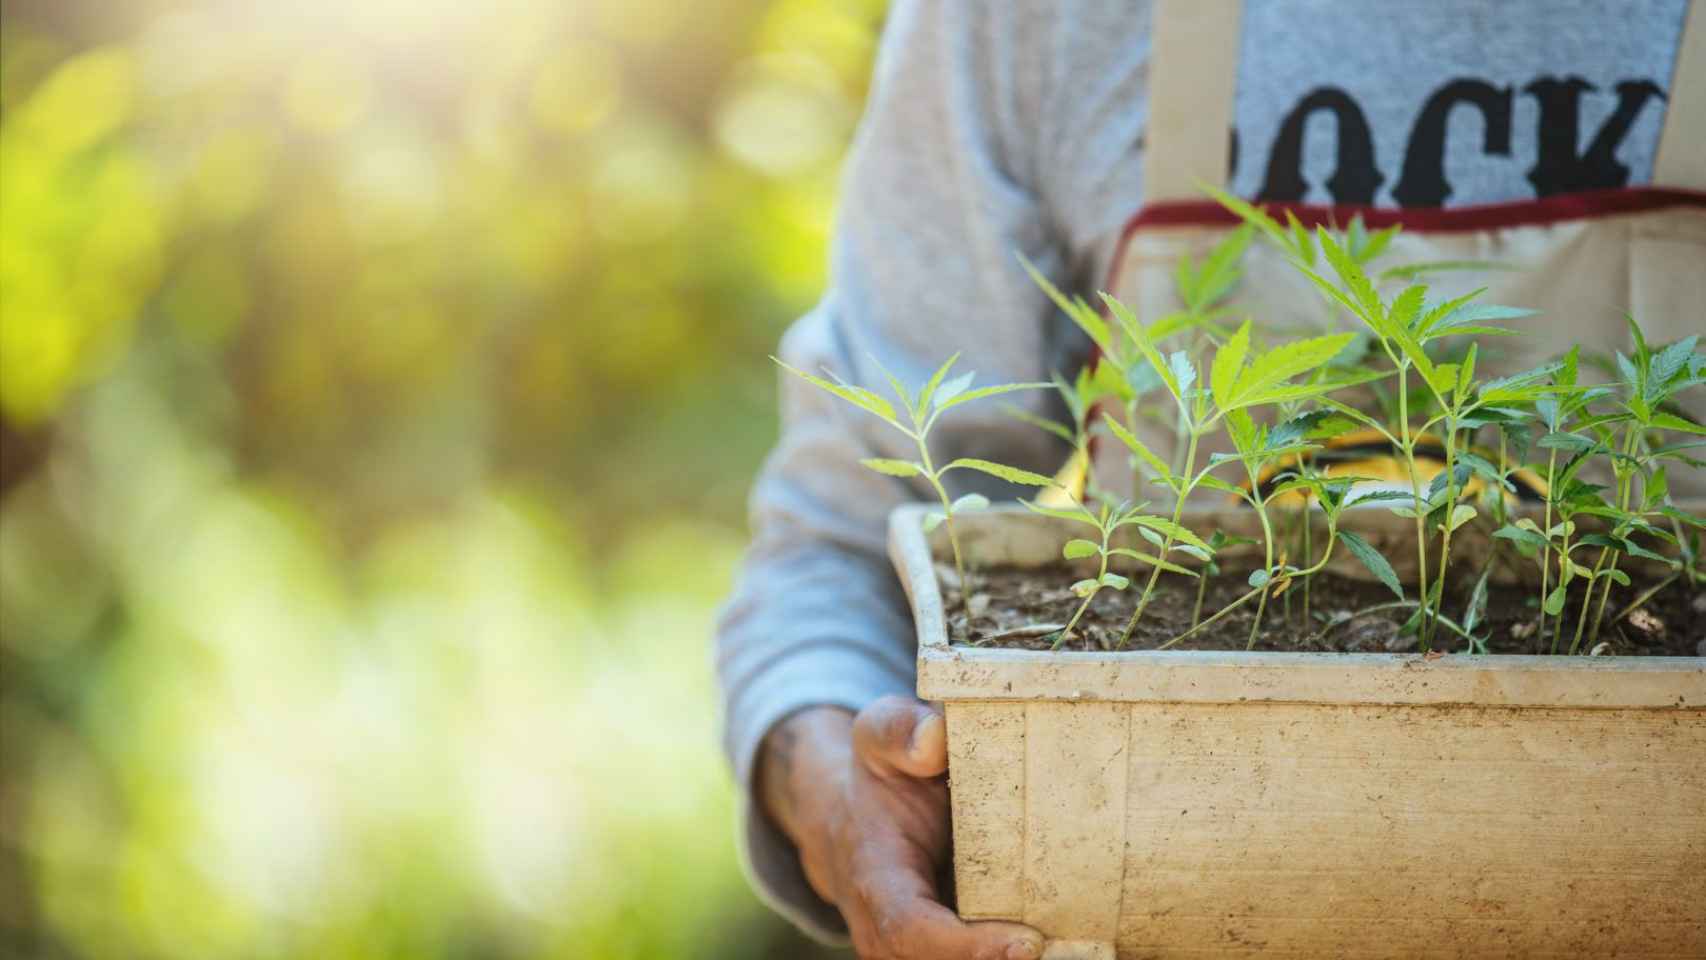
899 735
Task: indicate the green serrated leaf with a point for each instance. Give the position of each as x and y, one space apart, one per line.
1228 361
1477 609
1302 244
1670 421
982 392
1356 283
1137 446
1280 364
928 392
1249 214
894 468
953 388
1152 560
1521 535
1010 474
1080 312
1372 559
858 396
1212 482
1172 530
1079 515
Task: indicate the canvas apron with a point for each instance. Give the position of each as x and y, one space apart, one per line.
1581 260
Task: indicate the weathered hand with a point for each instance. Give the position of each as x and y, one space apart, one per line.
865 801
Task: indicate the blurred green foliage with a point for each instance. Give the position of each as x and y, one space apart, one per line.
380 386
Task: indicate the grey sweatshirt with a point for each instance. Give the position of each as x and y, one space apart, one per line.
1003 128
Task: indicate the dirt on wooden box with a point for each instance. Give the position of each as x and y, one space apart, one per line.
1021 608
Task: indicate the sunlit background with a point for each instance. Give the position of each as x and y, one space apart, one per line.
380 383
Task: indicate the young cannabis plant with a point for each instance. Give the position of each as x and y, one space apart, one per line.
1649 380
1239 379
1121 367
923 410
1558 411
1077 481
1402 326
1106 521
1334 495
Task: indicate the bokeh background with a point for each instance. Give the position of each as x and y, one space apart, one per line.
380 383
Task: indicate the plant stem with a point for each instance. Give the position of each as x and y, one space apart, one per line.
1587 599
1645 596
1066 631
947 518
1625 492
1625 483
1563 558
1202 588
1451 495
1504 471
1381 607
1546 549
1223 611
1166 544
1409 448
1267 558
1308 522
1256 624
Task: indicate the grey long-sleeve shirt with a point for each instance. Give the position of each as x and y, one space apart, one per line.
997 129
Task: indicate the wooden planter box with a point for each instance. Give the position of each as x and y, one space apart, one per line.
1193 804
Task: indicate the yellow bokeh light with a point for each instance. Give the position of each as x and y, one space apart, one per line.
327 94
574 91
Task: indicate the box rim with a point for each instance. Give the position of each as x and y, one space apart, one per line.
1192 676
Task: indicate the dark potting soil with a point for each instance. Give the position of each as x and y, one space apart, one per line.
1022 608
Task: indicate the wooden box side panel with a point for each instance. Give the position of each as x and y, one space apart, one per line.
1075 818
986 770
1294 830
1038 794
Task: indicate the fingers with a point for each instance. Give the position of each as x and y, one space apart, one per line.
905 923
901 735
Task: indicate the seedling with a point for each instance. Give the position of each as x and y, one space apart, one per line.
1240 380
1122 370
1402 326
1649 380
1334 495
1106 520
924 410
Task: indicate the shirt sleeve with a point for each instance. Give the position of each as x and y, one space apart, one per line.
935 211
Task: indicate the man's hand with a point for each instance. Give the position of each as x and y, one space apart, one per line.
865 801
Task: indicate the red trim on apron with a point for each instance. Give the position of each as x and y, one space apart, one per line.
1586 205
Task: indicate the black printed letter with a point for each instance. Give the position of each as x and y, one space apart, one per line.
1423 181
1558 168
1354 179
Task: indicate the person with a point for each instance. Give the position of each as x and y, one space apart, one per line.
1036 128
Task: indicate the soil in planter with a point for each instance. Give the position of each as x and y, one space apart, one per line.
1006 601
